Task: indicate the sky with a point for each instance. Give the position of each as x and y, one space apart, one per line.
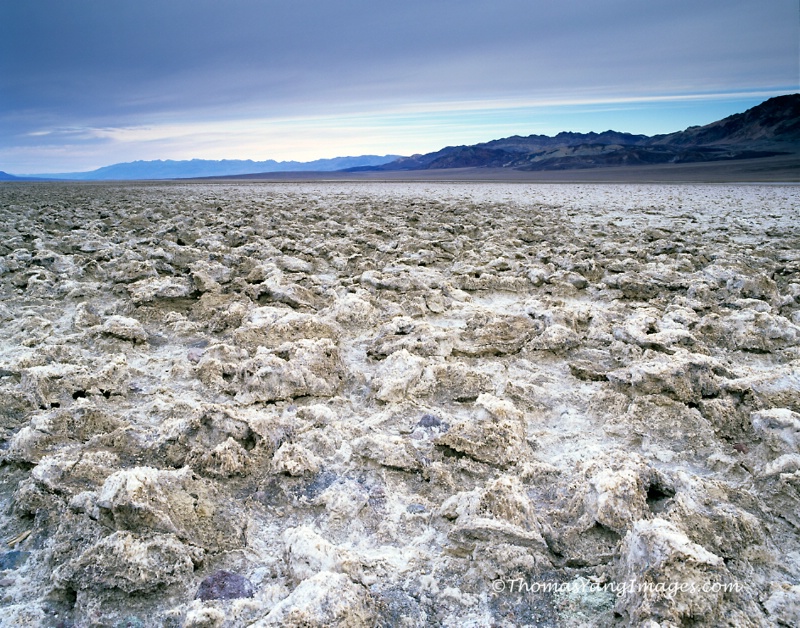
88 83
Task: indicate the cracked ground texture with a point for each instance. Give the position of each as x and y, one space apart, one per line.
399 404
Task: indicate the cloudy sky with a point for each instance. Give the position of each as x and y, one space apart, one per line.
87 83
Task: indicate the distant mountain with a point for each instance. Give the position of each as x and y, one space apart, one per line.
769 129
773 123
766 130
193 168
4 176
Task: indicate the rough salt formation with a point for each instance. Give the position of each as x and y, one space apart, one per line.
399 405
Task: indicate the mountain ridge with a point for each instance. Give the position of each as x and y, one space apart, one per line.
190 168
769 129
4 176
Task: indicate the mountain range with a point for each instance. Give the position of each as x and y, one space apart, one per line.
195 168
769 129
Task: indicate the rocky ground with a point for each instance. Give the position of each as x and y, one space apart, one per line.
399 404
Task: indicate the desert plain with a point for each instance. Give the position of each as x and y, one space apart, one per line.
399 404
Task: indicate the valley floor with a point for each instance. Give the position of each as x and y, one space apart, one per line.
378 403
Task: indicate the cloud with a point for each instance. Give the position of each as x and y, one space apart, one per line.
152 67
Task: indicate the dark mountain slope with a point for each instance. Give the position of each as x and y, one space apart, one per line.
534 143
769 129
774 122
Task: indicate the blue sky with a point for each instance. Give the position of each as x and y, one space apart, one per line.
87 83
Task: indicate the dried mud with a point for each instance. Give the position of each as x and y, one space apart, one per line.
367 404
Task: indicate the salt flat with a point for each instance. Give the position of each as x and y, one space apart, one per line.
376 403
